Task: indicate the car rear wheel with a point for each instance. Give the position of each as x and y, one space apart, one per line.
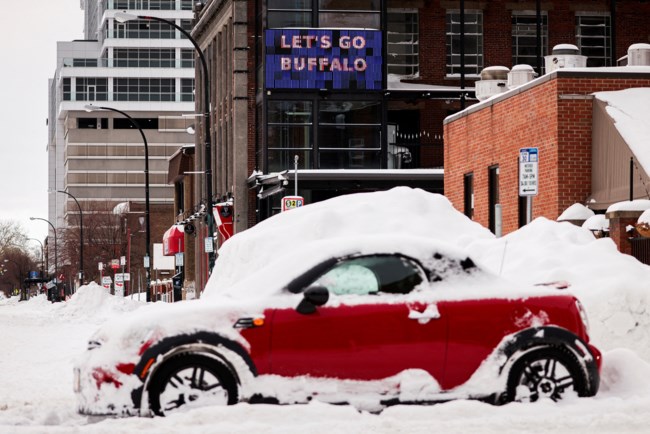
551 373
189 381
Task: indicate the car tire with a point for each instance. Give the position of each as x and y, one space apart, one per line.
547 372
191 380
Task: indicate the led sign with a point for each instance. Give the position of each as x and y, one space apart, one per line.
323 59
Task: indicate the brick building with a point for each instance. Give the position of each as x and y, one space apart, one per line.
558 115
359 90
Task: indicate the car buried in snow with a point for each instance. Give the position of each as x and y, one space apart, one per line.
372 326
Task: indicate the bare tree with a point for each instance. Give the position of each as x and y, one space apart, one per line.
17 259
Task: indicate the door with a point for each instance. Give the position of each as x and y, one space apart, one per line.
372 327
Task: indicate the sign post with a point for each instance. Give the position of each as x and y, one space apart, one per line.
528 178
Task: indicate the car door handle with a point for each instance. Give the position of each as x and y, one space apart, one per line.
431 312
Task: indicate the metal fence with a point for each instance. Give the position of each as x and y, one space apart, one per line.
641 249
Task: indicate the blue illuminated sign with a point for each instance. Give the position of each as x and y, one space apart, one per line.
323 59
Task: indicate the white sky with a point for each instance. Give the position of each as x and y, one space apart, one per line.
29 31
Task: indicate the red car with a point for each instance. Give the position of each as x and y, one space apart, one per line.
370 327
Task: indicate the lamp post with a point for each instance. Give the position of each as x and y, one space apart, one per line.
81 236
42 252
147 264
56 257
124 17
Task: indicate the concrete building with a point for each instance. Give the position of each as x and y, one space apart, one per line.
147 71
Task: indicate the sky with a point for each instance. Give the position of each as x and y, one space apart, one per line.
29 31
47 339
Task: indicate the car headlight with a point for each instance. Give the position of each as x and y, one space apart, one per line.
583 315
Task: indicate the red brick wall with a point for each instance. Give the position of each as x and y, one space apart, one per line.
537 117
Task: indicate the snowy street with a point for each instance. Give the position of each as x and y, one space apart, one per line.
36 394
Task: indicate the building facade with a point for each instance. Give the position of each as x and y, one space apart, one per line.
354 94
145 70
558 115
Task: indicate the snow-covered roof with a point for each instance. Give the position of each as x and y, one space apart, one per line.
635 205
630 110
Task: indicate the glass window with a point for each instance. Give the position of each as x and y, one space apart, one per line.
468 195
187 58
372 275
289 13
143 30
594 38
473 42
349 13
524 38
187 89
349 134
122 123
289 133
67 89
403 41
91 89
144 89
144 57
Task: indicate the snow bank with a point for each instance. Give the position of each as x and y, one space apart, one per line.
613 287
577 211
91 303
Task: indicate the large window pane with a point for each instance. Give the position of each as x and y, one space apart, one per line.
289 133
342 5
280 160
593 37
350 20
473 42
524 38
403 42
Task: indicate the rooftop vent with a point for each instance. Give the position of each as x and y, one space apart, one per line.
564 56
638 55
520 74
493 82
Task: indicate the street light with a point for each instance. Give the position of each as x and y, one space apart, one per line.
56 257
91 108
123 17
81 236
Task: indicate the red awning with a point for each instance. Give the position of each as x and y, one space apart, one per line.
174 241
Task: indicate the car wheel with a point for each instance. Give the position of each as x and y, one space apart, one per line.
551 373
188 381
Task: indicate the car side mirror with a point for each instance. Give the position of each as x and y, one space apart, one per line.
312 297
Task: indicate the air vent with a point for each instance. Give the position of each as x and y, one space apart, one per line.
638 55
494 80
520 74
564 56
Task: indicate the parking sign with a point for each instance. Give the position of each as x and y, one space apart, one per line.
528 172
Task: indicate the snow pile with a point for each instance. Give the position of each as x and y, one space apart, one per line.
597 222
613 287
399 211
94 302
577 211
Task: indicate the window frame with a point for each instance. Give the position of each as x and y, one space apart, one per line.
452 70
586 50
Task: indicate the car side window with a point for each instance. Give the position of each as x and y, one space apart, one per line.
372 275
349 278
